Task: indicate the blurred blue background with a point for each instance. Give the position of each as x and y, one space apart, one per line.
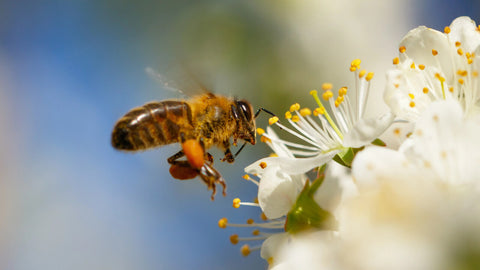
70 69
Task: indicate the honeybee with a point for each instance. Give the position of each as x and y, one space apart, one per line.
197 124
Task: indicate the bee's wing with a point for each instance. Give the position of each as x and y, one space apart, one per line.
187 83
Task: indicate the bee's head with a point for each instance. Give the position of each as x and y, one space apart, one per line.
244 116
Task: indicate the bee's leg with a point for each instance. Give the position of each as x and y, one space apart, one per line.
173 159
182 170
209 158
211 177
228 154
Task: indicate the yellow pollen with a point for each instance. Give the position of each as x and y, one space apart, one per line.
327 95
270 261
222 223
318 111
369 76
273 155
396 61
411 95
256 232
425 90
457 43
313 92
234 239
446 30
439 77
255 200
412 66
396 85
468 55
245 250
402 49
250 221
272 120
260 131
412 104
421 67
462 73
469 61
263 216
434 52
460 51
288 115
236 203
355 64
264 139
339 100
443 154
325 87
295 118
475 73
294 107
305 112
263 165
450 89
342 91
478 27
362 73
460 81
396 131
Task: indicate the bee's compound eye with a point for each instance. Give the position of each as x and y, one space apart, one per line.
245 108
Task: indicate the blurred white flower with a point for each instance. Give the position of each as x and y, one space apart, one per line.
435 66
444 146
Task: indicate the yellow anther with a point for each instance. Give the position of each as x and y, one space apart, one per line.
446 30
294 107
470 60
305 111
264 139
339 99
461 81
396 61
475 73
462 73
402 49
295 118
260 131
411 95
263 164
457 43
236 203
272 120
234 239
255 200
337 104
439 77
355 64
412 104
421 67
245 250
273 155
460 51
396 85
318 111
396 131
450 89
362 73
256 232
425 90
313 92
246 177
434 52
369 76
412 66
222 223
326 87
288 115
342 91
250 221
327 95
270 261
263 216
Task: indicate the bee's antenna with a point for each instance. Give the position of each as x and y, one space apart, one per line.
265 110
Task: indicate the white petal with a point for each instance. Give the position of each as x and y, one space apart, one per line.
272 244
291 166
329 195
277 193
465 30
367 130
